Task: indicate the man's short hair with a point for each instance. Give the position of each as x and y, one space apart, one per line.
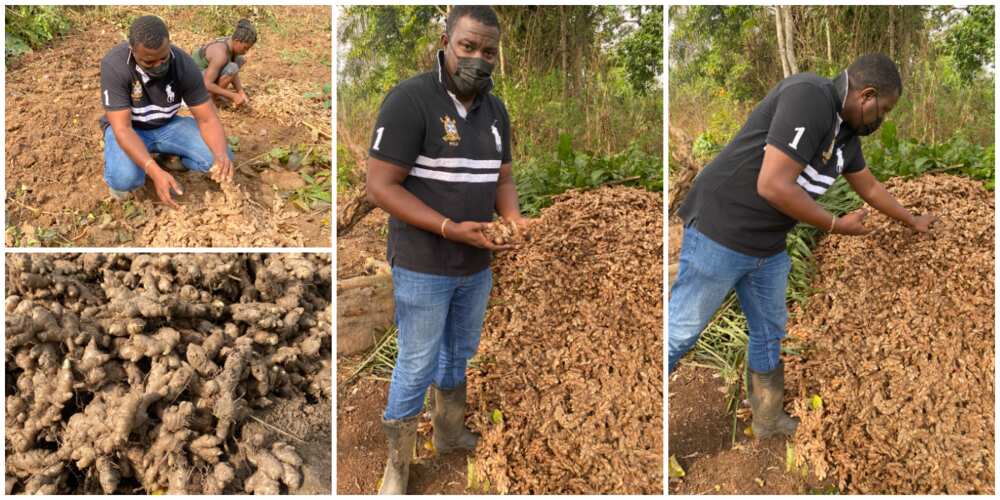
150 31
482 13
878 71
245 32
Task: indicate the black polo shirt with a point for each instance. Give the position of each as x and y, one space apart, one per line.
453 157
153 101
800 116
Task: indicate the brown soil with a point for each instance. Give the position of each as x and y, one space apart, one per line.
56 195
569 390
901 343
365 241
361 446
701 441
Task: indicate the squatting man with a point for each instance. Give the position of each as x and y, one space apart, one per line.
440 165
144 82
795 143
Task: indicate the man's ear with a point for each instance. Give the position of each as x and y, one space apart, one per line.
444 40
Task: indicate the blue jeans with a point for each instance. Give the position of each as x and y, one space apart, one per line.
439 320
708 271
179 136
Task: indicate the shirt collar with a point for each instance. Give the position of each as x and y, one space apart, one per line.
840 84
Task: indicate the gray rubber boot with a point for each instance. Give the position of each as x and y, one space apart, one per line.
120 195
767 402
402 436
449 421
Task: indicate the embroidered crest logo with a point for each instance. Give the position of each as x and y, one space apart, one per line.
840 160
451 136
170 94
136 92
828 152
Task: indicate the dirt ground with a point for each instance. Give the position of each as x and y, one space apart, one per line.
366 240
701 440
361 445
56 195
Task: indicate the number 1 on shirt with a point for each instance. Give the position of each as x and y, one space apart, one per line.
378 137
795 142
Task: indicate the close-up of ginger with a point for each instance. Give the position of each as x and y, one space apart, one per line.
160 373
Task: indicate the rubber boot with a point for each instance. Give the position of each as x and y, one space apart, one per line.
120 195
449 421
766 400
402 436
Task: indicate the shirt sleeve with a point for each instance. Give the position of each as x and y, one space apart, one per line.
856 158
116 86
506 156
802 121
193 89
399 130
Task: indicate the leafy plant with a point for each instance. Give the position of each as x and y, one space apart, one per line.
28 27
538 179
323 95
316 190
889 156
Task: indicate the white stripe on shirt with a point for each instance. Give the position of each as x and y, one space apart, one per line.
457 162
812 188
818 176
153 107
453 176
152 116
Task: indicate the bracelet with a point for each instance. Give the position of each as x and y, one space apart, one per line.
146 165
445 221
833 223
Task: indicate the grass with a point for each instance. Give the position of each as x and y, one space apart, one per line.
380 360
297 56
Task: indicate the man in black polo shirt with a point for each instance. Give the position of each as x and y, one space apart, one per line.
743 204
440 165
144 82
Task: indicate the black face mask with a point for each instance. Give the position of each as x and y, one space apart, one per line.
472 75
870 128
158 71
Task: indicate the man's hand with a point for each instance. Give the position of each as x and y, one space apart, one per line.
521 223
922 223
471 233
164 182
239 99
222 170
853 223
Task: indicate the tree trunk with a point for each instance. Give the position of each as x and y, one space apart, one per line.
892 35
793 65
562 49
781 41
355 209
829 46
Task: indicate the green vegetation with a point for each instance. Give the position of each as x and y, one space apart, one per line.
724 59
315 192
29 27
581 85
